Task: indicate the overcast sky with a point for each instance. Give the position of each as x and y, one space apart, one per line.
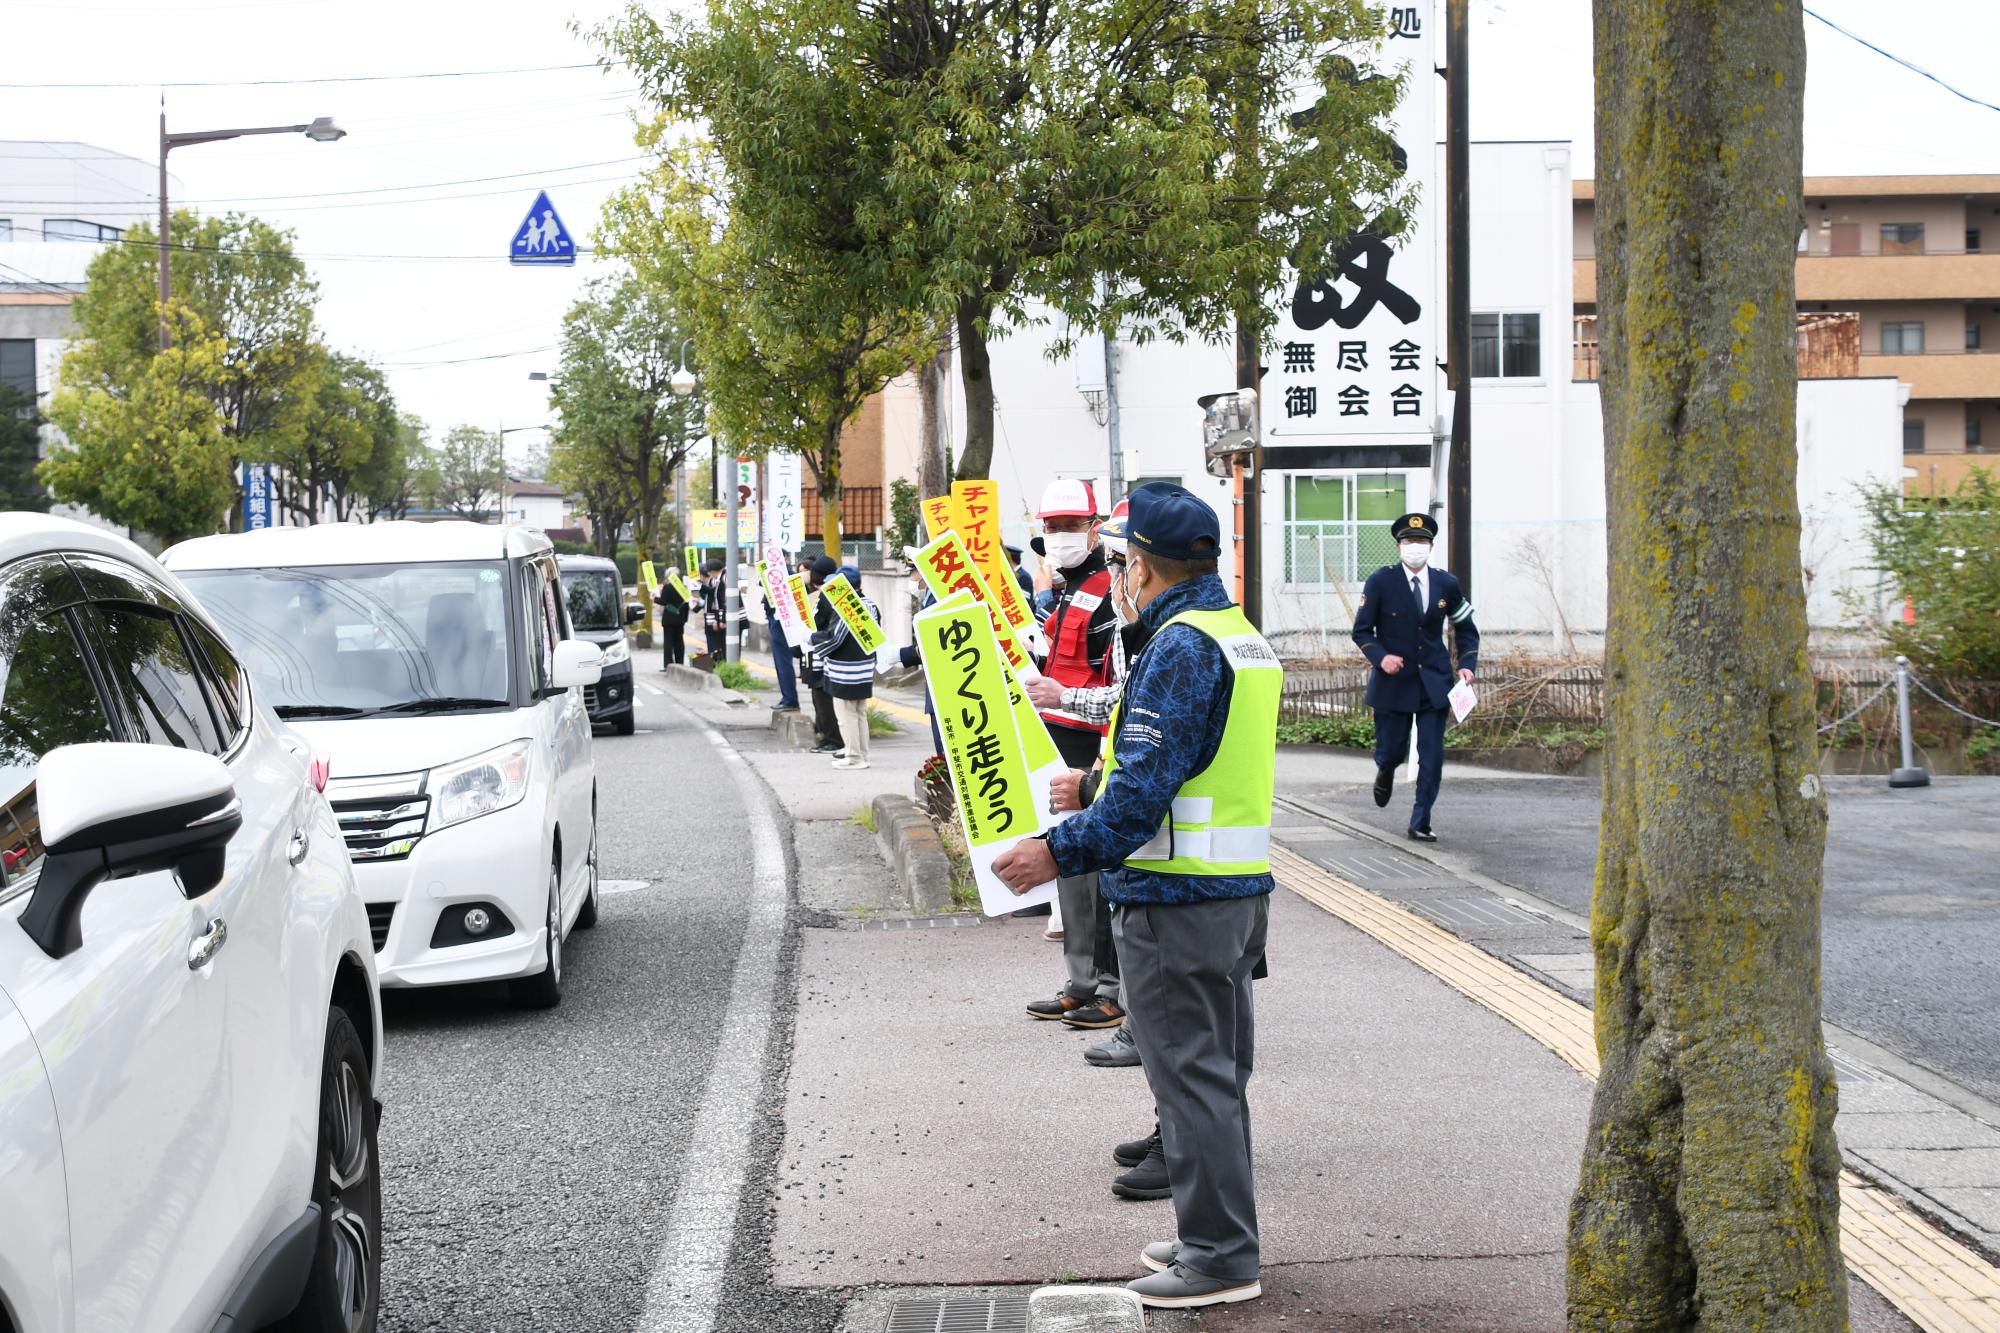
416 278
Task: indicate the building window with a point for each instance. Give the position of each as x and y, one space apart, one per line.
1913 435
1902 238
1971 428
1905 338
1972 337
75 229
1972 240
17 366
1506 346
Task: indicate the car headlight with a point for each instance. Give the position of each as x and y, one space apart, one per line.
618 650
479 785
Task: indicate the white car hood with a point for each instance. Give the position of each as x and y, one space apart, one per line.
363 747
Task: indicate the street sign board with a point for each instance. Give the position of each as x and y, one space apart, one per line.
541 238
259 505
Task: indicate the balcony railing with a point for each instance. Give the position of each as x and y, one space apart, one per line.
1828 343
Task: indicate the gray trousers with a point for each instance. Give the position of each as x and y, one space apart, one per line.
1078 896
1187 983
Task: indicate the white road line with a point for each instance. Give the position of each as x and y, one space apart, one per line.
651 689
686 1287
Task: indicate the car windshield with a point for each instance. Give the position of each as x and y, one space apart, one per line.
594 599
366 640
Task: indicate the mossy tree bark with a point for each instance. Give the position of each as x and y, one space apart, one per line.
1708 1196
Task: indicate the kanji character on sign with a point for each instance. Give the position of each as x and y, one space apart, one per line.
1354 401
1405 355
1405 21
1353 355
1362 260
1407 400
1298 357
1301 401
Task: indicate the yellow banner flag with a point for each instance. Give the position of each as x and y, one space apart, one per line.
847 604
978 515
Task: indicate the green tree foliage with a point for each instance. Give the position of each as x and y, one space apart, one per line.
622 430
1944 558
1709 1192
341 415
905 515
986 155
467 473
20 436
146 445
399 474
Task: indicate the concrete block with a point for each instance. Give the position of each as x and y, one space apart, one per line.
685 677
915 855
793 728
1085 1310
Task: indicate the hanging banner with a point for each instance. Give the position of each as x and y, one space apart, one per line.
978 505
777 590
997 804
847 604
784 509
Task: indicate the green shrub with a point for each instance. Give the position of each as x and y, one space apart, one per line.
1982 752
1355 731
737 677
881 724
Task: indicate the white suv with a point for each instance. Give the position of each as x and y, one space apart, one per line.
432 665
189 1027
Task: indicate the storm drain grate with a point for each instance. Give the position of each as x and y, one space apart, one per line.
1472 913
961 1314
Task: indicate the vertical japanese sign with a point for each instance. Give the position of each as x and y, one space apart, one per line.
748 513
796 585
940 516
791 615
966 674
649 578
259 505
784 512
674 578
847 604
978 506
1357 349
693 562
947 569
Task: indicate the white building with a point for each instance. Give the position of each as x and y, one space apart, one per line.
536 504
1538 451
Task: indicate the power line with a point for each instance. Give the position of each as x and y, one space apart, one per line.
287 83
337 194
463 360
1908 65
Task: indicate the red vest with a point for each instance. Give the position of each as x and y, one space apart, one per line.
1069 647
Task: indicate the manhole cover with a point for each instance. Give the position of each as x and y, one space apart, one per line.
961 1314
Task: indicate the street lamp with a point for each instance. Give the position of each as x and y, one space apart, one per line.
321 130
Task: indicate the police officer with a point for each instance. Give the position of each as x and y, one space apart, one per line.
1400 627
1181 830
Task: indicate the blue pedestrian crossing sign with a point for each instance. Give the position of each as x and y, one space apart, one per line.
541 238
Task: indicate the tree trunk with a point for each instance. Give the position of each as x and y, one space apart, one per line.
975 371
1708 1196
933 462
828 479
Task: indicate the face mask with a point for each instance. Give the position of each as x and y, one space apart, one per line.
1067 550
1121 604
1416 554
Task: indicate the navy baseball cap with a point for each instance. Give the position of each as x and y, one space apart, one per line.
1172 522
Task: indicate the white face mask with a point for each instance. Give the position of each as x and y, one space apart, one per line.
1067 550
1416 554
1121 604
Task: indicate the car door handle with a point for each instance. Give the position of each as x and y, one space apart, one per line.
301 843
203 950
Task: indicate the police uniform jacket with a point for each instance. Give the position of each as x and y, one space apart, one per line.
1390 621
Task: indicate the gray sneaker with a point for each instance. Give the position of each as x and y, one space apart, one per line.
1160 1255
1181 1288
1119 1052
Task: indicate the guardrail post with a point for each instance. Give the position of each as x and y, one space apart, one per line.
1909 775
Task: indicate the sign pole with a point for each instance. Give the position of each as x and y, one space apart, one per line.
1458 286
733 598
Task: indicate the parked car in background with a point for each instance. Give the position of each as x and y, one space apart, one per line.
190 1036
599 613
433 665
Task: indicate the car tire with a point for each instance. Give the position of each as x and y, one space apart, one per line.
625 723
343 1292
544 989
587 916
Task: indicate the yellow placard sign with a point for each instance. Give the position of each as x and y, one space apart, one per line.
948 570
649 577
693 562
797 583
967 678
978 522
847 604
940 515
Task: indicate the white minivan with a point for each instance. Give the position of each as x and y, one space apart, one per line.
431 666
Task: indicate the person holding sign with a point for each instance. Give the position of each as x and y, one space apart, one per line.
847 645
672 598
1180 828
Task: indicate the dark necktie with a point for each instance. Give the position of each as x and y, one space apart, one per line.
1417 592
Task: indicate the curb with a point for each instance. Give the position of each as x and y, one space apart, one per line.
913 850
685 677
1085 1310
794 728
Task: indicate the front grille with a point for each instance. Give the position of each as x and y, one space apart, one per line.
382 819
590 698
379 917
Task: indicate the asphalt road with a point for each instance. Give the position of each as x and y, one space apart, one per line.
532 1161
1912 895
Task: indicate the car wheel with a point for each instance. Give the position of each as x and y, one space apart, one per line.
587 917
544 989
625 723
343 1292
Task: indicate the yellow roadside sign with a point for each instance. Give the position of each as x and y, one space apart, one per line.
847 604
978 514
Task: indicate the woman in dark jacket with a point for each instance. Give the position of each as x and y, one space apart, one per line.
850 675
673 624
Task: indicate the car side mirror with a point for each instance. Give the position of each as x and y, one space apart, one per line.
112 810
634 613
577 663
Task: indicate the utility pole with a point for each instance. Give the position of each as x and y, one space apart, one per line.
1250 464
1117 473
1458 286
732 589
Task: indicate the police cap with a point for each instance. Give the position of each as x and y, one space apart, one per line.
1173 523
1422 527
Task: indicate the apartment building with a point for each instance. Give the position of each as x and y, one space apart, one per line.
1916 261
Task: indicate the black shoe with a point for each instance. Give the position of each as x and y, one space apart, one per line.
1130 1154
1039 909
1148 1180
1119 1051
1422 835
785 708
824 748
1099 1013
1063 1005
1385 778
